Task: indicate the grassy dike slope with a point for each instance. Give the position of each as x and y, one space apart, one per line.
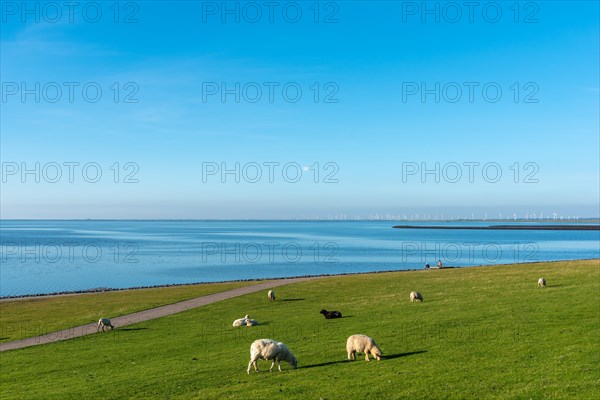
484 332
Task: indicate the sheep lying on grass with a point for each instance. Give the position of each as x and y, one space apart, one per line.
271 295
241 321
251 322
414 296
362 344
104 324
542 282
331 314
269 349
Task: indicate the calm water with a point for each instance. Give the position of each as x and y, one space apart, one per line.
53 256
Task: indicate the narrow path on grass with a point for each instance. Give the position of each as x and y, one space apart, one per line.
146 315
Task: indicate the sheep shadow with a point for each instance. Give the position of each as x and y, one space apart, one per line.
293 299
400 355
384 357
131 329
323 364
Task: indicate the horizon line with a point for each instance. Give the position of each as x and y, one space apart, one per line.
307 219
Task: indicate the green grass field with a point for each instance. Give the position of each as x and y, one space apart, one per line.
486 332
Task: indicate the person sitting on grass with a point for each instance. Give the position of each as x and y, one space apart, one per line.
439 263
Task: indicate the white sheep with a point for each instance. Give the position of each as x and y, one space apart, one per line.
542 282
362 344
104 323
241 321
271 295
414 296
269 349
251 322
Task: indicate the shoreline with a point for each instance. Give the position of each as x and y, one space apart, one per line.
508 227
258 280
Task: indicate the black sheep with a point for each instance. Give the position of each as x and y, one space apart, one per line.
331 314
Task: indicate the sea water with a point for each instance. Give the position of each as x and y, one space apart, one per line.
39 257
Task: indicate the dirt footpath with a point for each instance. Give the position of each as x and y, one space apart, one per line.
146 315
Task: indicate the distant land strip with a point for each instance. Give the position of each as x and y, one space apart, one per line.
510 227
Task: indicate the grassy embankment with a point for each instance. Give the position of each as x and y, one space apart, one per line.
486 332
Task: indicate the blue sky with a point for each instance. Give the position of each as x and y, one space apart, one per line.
365 131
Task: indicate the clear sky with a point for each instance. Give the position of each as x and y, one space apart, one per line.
299 109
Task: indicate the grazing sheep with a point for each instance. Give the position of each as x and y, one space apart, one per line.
362 344
241 321
269 349
542 282
271 295
251 322
414 296
104 323
331 314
